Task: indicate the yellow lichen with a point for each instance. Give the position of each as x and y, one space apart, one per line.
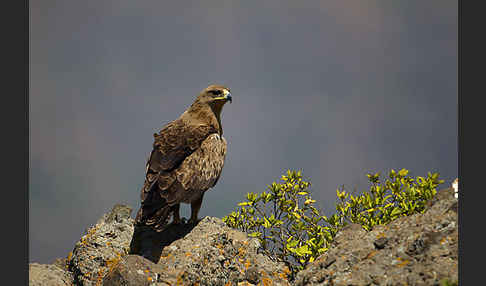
100 277
241 251
179 280
403 263
371 254
266 281
247 264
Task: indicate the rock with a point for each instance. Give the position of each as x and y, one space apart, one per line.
133 270
61 263
103 245
212 254
381 242
417 250
252 275
149 243
48 275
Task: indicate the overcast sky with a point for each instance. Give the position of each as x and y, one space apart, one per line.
334 88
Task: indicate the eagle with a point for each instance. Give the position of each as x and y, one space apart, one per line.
186 160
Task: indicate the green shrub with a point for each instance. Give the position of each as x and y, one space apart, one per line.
285 221
400 195
291 229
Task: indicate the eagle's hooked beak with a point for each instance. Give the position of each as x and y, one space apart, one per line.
226 96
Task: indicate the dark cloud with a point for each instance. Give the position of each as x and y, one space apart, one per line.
334 88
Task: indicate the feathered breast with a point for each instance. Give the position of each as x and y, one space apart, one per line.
201 169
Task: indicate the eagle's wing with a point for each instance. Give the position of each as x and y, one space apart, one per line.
174 143
201 170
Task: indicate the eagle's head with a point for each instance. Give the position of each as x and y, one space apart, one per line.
209 104
214 96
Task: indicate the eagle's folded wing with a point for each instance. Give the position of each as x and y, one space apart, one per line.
174 143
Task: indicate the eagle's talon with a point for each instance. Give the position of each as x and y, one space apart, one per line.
193 221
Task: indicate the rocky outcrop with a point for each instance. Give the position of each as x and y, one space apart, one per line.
48 275
210 254
134 270
102 246
417 250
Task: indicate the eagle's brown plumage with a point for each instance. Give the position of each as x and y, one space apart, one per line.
186 160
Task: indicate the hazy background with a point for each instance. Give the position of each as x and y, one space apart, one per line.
335 88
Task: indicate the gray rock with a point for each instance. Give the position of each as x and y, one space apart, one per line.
211 253
48 275
381 242
102 247
417 250
134 270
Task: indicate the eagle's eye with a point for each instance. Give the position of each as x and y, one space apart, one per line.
215 92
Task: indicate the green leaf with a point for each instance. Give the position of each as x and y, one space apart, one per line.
292 244
255 234
309 201
403 172
266 223
303 250
395 212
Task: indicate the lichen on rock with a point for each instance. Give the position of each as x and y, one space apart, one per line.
420 249
102 247
48 275
210 254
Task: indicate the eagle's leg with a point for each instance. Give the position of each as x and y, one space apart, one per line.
195 207
176 215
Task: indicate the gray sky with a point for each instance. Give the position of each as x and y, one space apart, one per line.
334 88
